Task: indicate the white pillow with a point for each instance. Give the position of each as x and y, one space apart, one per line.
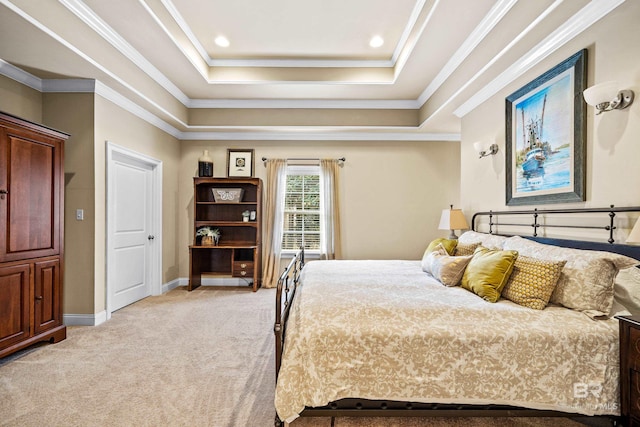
626 289
490 241
447 269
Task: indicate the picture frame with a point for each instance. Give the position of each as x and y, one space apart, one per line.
240 163
546 137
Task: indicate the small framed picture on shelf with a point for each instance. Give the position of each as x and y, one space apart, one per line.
240 163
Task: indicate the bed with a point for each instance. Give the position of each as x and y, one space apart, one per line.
361 337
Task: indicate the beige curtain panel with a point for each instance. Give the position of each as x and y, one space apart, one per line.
330 239
273 218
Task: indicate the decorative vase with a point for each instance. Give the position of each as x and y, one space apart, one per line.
207 240
205 165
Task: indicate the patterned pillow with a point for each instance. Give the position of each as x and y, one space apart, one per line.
532 281
488 272
446 269
463 249
491 241
586 281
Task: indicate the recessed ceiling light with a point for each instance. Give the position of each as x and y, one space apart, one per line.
376 41
222 41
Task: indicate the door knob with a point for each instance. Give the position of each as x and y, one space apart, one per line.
3 194
151 237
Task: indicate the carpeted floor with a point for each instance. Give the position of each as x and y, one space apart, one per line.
201 358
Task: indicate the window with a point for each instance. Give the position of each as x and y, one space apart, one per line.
302 209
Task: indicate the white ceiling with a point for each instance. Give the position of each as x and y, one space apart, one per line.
158 58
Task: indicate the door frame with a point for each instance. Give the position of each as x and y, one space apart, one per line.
116 153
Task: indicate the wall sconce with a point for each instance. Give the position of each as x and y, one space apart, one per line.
453 219
606 97
479 147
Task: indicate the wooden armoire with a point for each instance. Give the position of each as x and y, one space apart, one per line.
31 233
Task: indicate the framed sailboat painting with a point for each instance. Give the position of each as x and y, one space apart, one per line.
546 137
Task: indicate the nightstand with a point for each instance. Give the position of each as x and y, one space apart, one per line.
630 370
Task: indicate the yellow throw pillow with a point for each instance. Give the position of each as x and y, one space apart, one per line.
448 244
532 281
488 272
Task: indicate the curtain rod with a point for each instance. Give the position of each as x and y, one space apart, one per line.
341 159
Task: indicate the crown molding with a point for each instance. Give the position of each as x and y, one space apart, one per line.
19 75
583 19
302 63
135 109
488 65
403 42
231 133
169 6
488 23
382 104
88 16
69 85
302 135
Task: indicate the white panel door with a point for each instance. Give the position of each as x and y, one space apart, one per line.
130 234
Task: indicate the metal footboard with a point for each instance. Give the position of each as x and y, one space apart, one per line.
285 293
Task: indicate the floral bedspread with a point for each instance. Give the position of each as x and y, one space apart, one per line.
387 330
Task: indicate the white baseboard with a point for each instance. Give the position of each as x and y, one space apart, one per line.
173 284
84 319
99 318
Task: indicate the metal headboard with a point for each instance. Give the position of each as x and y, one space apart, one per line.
530 219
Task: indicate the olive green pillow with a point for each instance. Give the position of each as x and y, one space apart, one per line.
449 245
488 272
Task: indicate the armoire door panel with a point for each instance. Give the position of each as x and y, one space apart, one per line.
47 295
14 304
31 208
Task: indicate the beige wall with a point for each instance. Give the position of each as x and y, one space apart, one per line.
392 193
301 117
20 100
613 147
80 237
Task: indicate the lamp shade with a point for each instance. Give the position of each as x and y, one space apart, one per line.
634 236
602 92
453 219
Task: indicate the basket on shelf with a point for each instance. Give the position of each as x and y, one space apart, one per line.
232 195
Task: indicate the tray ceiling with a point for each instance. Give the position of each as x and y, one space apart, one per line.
436 63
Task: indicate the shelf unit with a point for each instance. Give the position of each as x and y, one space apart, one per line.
238 253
